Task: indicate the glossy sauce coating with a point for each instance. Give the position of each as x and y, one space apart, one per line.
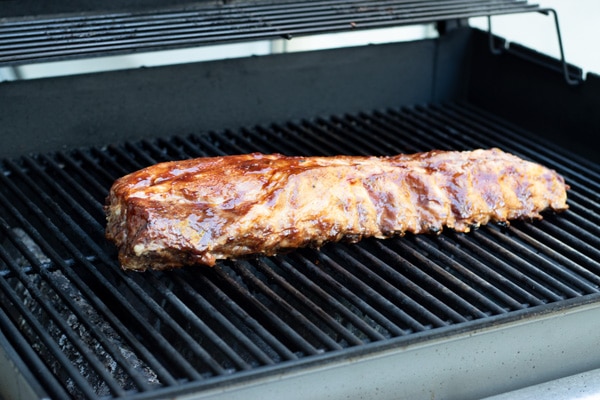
198 211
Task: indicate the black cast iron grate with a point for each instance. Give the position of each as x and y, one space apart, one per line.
57 37
88 330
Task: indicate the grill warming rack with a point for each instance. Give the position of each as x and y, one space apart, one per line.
84 328
52 37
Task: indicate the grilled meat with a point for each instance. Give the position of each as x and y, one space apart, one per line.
198 211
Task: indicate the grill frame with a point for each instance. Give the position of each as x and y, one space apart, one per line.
136 153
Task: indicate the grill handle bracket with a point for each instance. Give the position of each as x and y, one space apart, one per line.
546 11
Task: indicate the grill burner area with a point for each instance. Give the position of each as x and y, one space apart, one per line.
87 329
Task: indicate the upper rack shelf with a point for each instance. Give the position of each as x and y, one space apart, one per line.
43 38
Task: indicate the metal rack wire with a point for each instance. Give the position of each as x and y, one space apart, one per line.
49 38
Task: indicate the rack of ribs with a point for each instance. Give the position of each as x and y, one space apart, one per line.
201 210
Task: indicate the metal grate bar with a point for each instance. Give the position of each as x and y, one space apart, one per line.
135 149
190 149
278 142
117 160
176 152
45 167
349 125
215 315
487 283
360 145
314 340
357 301
396 129
211 338
309 140
248 139
225 301
557 275
84 214
273 320
43 39
334 303
585 196
465 291
422 288
234 144
579 240
507 284
590 223
583 266
528 274
83 181
204 143
557 242
282 144
312 306
160 153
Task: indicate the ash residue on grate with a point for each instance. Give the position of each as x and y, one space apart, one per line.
32 247
19 236
92 368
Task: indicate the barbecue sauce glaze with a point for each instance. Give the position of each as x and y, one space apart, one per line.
198 211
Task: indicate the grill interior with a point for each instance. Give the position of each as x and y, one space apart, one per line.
86 329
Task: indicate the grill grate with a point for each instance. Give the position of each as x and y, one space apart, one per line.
87 329
61 37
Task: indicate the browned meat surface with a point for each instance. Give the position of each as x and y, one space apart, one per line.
198 211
